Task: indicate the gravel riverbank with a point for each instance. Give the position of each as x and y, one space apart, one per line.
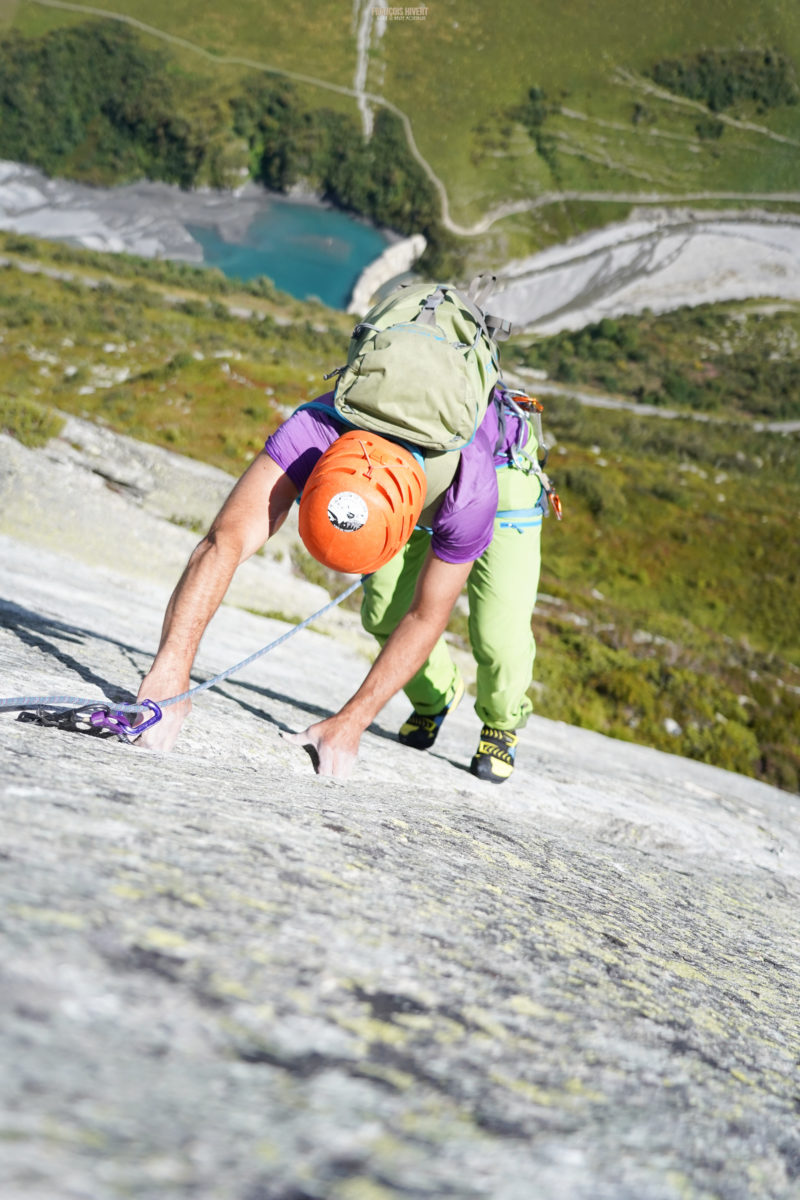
660 258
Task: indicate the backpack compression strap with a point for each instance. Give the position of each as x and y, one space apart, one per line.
494 329
478 292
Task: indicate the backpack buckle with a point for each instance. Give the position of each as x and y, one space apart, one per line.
499 327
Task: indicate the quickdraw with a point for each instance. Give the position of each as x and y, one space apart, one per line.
520 402
98 720
106 719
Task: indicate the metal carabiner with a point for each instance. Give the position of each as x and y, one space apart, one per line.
118 723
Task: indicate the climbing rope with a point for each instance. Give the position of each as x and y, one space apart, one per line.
105 716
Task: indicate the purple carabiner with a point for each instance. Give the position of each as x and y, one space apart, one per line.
135 730
119 724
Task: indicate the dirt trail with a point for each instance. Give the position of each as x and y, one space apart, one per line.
545 387
646 87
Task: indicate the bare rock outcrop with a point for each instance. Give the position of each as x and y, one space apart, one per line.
224 977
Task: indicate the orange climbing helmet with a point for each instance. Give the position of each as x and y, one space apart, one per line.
361 502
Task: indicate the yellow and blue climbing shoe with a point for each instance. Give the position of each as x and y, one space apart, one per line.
494 758
420 730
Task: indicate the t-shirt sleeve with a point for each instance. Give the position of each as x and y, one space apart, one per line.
462 528
464 525
298 443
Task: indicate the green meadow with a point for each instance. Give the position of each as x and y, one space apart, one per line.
612 111
724 360
667 613
154 349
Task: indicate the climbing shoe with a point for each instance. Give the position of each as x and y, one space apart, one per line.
494 758
420 730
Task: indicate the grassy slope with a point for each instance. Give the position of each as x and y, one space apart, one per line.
480 59
667 589
671 581
311 38
459 72
156 353
729 359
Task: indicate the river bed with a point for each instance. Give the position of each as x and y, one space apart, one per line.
659 258
305 247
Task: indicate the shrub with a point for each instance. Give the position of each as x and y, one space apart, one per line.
722 78
30 423
533 113
707 128
600 494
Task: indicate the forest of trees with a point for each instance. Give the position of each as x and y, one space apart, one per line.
91 102
723 78
377 178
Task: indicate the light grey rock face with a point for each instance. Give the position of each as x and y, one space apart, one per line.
112 502
224 977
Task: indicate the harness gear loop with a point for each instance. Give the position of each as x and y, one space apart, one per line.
519 402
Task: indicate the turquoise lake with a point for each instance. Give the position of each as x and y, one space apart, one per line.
305 249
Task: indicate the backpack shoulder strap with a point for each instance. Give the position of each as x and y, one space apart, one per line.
321 406
329 410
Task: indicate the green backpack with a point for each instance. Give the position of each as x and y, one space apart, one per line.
422 366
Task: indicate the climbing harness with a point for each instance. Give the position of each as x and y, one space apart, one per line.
104 718
525 406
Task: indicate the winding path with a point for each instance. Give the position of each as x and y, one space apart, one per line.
501 211
525 380
651 89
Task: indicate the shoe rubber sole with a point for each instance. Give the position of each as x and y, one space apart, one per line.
420 731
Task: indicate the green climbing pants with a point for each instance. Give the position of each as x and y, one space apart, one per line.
501 590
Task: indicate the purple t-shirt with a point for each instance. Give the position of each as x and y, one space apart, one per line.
464 523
